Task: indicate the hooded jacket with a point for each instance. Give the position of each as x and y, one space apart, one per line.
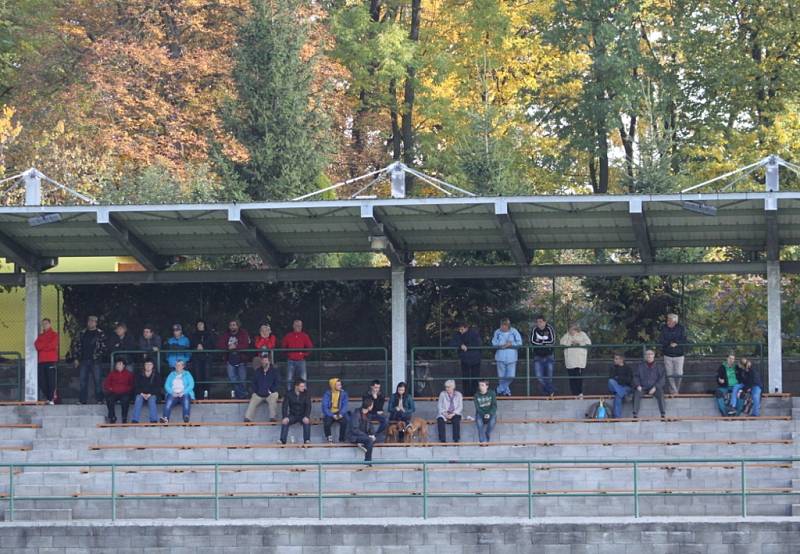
329 408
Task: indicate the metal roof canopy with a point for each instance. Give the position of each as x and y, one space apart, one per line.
277 231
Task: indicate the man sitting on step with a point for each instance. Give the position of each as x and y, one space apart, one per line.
297 409
648 379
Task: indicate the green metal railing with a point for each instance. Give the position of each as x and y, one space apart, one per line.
634 352
160 359
17 383
531 494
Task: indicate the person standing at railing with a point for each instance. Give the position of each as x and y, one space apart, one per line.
297 409
751 383
88 350
485 411
672 341
146 388
265 389
150 342
46 345
620 382
234 341
575 358
122 343
468 341
296 360
506 339
177 346
649 379
728 383
265 339
543 336
118 387
201 339
180 389
450 405
334 409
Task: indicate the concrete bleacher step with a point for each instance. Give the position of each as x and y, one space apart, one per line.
39 514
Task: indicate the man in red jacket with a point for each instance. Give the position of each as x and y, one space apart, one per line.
46 345
118 386
296 364
235 340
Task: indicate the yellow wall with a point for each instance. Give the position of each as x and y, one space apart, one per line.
12 302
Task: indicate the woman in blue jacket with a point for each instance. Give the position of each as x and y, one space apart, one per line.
179 388
401 405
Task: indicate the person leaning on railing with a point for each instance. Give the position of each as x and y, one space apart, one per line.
468 341
543 336
233 341
121 345
265 389
575 358
296 359
506 339
88 351
177 346
485 411
202 338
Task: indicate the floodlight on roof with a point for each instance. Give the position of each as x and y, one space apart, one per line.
699 207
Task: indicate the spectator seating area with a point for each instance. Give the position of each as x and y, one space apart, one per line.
572 460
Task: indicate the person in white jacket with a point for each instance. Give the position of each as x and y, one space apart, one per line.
575 357
451 404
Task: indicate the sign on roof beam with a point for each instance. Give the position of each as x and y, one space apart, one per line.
255 238
773 246
640 232
380 238
518 251
134 245
14 252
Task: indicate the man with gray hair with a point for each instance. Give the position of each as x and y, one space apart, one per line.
88 351
648 379
672 341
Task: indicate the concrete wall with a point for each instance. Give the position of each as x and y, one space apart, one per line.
620 536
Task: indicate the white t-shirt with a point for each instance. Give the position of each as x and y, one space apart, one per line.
177 385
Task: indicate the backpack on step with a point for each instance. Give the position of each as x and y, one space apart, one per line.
598 410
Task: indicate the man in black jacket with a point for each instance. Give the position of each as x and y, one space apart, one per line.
649 379
297 409
122 346
88 353
620 382
376 414
751 382
359 427
146 387
672 340
468 342
543 336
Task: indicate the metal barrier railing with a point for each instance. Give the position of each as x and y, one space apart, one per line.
423 357
160 359
16 364
424 494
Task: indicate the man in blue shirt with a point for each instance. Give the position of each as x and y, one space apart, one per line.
507 340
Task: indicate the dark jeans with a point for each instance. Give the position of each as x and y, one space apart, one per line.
86 368
47 379
327 424
575 380
382 420
200 373
124 401
293 420
470 373
441 426
359 437
400 416
637 399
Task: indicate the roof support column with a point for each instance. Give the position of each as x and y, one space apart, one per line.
33 298
774 346
399 327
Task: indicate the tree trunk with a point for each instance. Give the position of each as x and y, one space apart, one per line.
409 93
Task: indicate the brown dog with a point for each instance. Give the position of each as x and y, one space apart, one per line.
417 431
394 430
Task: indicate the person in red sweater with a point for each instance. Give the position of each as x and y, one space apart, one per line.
118 387
234 341
296 364
46 345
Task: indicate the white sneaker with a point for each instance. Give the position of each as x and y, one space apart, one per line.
363 448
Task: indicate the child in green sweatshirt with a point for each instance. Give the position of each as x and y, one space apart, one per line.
485 411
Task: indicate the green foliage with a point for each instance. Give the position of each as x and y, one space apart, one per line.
273 116
156 185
